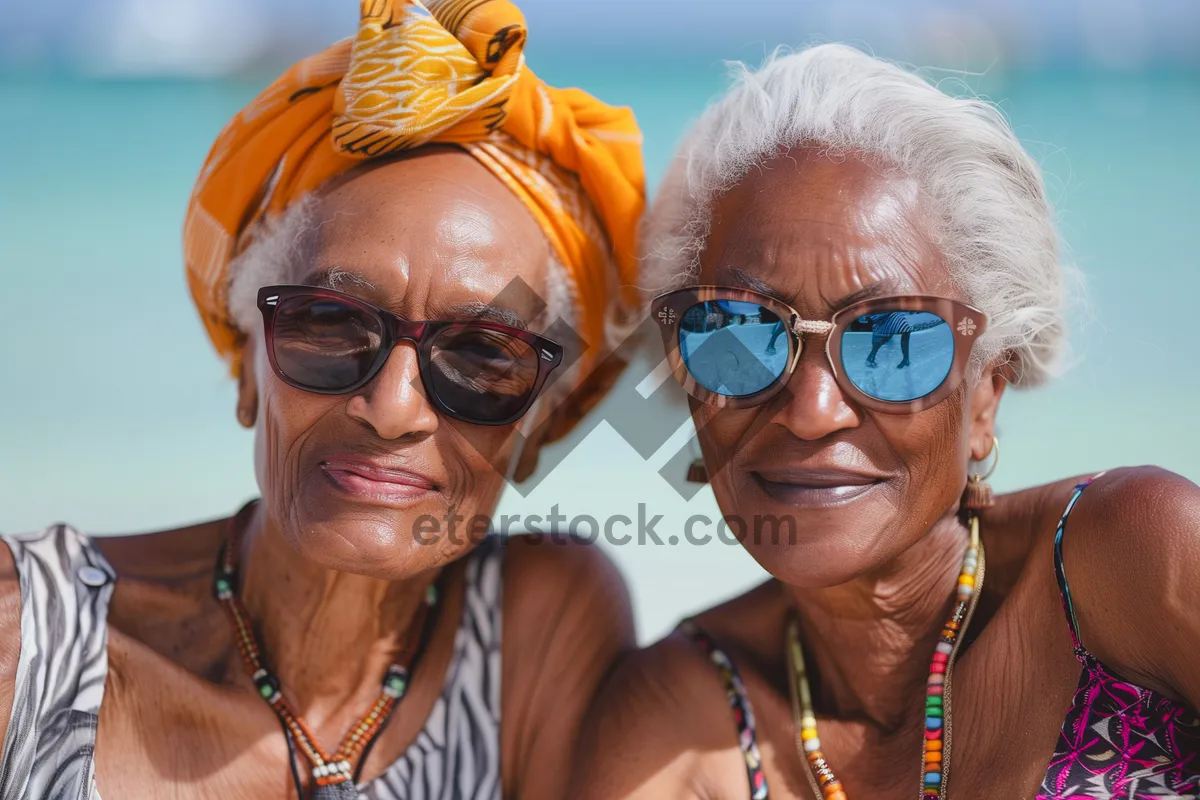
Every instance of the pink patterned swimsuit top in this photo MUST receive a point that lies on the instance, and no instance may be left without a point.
(1119, 741)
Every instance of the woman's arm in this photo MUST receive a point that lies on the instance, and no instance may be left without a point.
(567, 619)
(660, 729)
(10, 634)
(1132, 558)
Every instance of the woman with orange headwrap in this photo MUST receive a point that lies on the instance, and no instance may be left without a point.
(416, 257)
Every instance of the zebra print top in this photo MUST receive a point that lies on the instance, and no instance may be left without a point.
(890, 324)
(66, 585)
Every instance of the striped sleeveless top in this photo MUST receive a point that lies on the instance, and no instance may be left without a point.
(66, 585)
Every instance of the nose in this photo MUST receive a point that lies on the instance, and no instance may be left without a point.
(394, 404)
(815, 406)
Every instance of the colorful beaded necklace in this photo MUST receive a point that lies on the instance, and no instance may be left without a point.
(936, 754)
(333, 775)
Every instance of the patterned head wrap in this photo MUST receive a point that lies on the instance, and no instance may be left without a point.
(444, 71)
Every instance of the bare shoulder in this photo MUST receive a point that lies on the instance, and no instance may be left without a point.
(163, 595)
(567, 621)
(1019, 533)
(1132, 558)
(166, 555)
(661, 728)
(1135, 530)
(562, 598)
(1118, 505)
(552, 566)
(10, 634)
(1133, 505)
(560, 592)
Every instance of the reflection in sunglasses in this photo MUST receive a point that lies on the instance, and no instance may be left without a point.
(925, 346)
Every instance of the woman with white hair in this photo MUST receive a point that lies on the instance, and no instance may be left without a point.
(830, 192)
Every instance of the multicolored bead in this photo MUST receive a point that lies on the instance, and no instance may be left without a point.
(395, 682)
(935, 711)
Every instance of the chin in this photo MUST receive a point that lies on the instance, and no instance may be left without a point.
(812, 542)
(808, 565)
(389, 538)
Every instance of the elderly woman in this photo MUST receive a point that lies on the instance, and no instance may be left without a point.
(391, 245)
(902, 241)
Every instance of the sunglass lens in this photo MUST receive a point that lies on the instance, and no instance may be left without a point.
(323, 344)
(898, 356)
(481, 374)
(733, 348)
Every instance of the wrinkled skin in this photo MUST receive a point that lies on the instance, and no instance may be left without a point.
(858, 233)
(331, 578)
(878, 544)
(451, 238)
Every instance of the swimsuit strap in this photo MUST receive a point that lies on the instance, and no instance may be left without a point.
(739, 702)
(1060, 573)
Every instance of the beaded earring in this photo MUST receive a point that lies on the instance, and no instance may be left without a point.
(978, 494)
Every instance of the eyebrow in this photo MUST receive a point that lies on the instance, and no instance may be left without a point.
(744, 279)
(880, 289)
(747, 281)
(476, 310)
(338, 279)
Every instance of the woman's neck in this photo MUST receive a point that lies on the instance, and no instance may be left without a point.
(870, 640)
(328, 636)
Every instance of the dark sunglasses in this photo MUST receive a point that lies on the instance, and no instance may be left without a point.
(736, 348)
(327, 342)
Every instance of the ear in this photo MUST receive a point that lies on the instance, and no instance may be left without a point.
(247, 401)
(527, 460)
(984, 405)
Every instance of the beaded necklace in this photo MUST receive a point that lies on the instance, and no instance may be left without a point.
(333, 775)
(935, 764)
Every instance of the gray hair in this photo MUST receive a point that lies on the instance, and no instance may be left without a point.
(992, 221)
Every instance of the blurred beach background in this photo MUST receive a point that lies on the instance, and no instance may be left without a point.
(117, 417)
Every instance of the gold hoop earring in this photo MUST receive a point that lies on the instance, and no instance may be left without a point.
(978, 494)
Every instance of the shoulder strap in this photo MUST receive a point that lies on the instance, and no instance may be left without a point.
(66, 585)
(1060, 573)
(739, 702)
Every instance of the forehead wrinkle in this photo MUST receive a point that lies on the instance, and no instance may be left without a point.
(819, 264)
(822, 231)
(438, 235)
(815, 273)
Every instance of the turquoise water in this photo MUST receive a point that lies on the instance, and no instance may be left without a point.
(115, 415)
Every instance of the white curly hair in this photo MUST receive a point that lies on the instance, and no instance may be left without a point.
(991, 218)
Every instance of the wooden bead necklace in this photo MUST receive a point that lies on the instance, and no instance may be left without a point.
(333, 775)
(935, 764)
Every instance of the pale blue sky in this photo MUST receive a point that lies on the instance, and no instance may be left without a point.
(207, 37)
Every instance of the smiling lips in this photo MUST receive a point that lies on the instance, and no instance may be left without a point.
(368, 480)
(815, 488)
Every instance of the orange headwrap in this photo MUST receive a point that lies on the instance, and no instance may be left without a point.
(443, 71)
